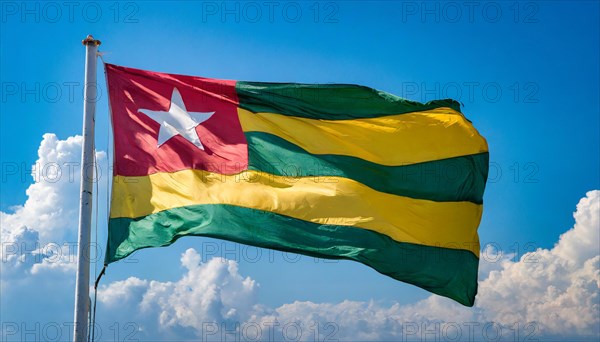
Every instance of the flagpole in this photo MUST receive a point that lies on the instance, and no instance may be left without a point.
(82, 284)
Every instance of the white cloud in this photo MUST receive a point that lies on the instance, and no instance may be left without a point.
(119, 292)
(558, 288)
(51, 205)
(41, 234)
(38, 245)
(18, 250)
(207, 293)
(582, 242)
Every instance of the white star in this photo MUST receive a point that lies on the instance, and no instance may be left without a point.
(178, 121)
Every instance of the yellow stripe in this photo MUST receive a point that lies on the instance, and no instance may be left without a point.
(324, 200)
(388, 140)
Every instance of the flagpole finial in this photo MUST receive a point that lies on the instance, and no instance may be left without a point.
(90, 40)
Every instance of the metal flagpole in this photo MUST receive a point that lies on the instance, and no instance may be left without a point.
(82, 284)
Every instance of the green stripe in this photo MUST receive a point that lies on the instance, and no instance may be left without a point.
(448, 272)
(454, 179)
(328, 101)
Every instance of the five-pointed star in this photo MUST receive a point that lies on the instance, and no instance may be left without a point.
(178, 121)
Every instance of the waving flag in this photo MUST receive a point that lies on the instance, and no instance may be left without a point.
(333, 171)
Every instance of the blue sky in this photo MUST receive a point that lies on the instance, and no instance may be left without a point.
(527, 74)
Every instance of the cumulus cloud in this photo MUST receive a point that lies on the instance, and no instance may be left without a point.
(208, 293)
(40, 234)
(548, 292)
(214, 291)
(558, 287)
(39, 244)
(582, 242)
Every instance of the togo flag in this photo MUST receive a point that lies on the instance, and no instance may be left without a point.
(328, 170)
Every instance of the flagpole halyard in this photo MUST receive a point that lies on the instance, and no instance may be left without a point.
(82, 284)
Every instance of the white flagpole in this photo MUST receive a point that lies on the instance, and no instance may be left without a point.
(82, 284)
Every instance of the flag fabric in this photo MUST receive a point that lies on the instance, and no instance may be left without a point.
(332, 170)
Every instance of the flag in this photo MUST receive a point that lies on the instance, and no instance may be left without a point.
(333, 171)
